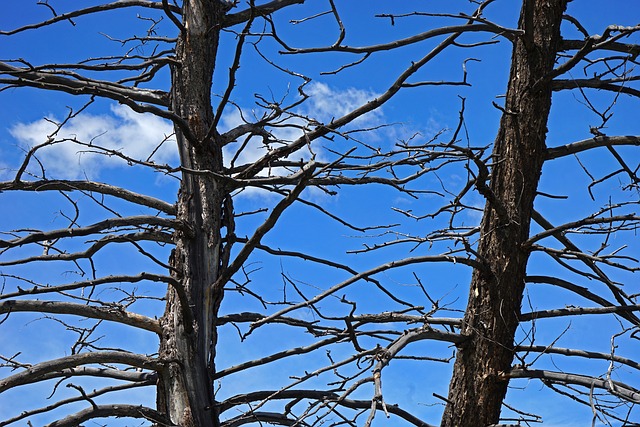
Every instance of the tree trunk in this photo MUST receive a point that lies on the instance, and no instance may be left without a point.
(185, 389)
(476, 391)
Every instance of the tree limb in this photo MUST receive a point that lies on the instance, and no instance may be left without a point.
(112, 410)
(114, 313)
(56, 367)
(92, 186)
(127, 95)
(107, 224)
(90, 10)
(588, 144)
(616, 388)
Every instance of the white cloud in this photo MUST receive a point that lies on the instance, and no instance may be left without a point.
(135, 135)
(138, 135)
(327, 103)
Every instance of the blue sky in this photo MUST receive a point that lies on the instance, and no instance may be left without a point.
(424, 111)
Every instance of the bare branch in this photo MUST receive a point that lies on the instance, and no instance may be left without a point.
(56, 367)
(318, 395)
(576, 311)
(616, 86)
(262, 10)
(454, 30)
(146, 220)
(89, 11)
(113, 313)
(632, 49)
(113, 410)
(82, 398)
(47, 289)
(154, 236)
(614, 387)
(323, 130)
(366, 274)
(580, 353)
(589, 144)
(91, 186)
(49, 80)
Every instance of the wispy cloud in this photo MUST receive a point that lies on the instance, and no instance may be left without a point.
(323, 105)
(135, 135)
(327, 103)
(138, 135)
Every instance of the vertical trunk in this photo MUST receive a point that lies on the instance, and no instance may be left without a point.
(185, 389)
(476, 393)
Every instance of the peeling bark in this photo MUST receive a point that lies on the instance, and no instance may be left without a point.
(186, 388)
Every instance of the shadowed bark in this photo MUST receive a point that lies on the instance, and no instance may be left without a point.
(477, 389)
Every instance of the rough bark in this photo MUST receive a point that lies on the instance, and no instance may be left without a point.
(476, 392)
(185, 389)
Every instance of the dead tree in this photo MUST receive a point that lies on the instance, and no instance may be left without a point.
(219, 280)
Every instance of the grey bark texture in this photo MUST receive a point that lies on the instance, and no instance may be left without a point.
(186, 387)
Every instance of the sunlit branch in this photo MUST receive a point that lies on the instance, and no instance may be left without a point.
(115, 64)
(612, 86)
(92, 147)
(92, 186)
(102, 372)
(590, 260)
(577, 311)
(261, 417)
(416, 156)
(561, 229)
(56, 367)
(591, 44)
(384, 356)
(588, 144)
(114, 313)
(278, 356)
(314, 327)
(630, 48)
(616, 388)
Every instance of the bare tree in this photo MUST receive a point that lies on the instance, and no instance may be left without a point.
(216, 281)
